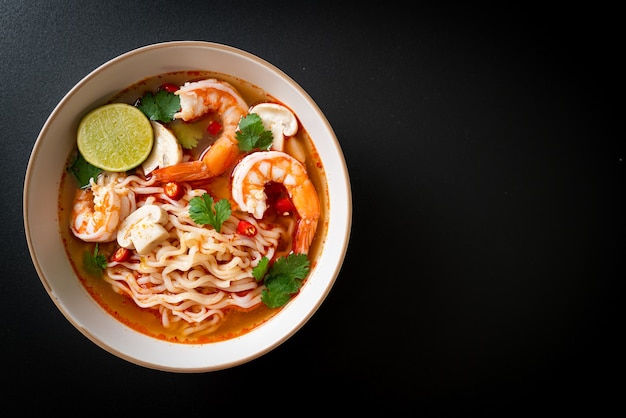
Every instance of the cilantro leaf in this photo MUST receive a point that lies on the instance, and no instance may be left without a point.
(203, 212)
(187, 134)
(83, 171)
(283, 279)
(160, 106)
(94, 263)
(279, 290)
(252, 134)
(296, 265)
(261, 269)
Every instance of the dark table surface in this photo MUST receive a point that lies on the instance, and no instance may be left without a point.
(488, 217)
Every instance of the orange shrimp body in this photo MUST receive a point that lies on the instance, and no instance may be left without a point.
(196, 99)
(98, 210)
(259, 168)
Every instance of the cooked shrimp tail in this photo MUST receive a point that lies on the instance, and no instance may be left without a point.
(97, 211)
(306, 202)
(186, 171)
(196, 99)
(259, 168)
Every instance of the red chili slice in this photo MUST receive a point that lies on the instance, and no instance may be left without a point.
(174, 190)
(120, 255)
(169, 87)
(214, 127)
(246, 228)
(283, 205)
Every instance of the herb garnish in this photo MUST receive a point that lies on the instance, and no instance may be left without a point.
(202, 211)
(282, 279)
(252, 134)
(187, 134)
(83, 171)
(159, 106)
(94, 263)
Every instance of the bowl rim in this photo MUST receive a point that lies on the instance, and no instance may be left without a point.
(340, 208)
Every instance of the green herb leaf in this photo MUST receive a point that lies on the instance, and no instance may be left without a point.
(261, 269)
(94, 263)
(160, 106)
(283, 279)
(252, 135)
(279, 290)
(296, 265)
(83, 171)
(203, 212)
(188, 134)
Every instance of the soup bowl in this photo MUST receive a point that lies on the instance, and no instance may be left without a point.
(44, 227)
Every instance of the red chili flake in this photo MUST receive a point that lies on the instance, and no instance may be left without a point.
(246, 228)
(120, 255)
(169, 87)
(174, 190)
(283, 205)
(214, 127)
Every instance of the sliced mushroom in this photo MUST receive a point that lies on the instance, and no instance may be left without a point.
(165, 151)
(143, 229)
(277, 119)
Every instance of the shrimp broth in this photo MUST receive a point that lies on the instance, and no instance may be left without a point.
(236, 321)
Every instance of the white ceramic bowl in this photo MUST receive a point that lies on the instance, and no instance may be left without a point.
(42, 183)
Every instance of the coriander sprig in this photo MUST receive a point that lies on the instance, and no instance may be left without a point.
(252, 134)
(202, 211)
(283, 279)
(83, 171)
(94, 263)
(160, 106)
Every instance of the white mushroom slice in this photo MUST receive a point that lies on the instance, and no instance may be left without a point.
(143, 229)
(277, 119)
(165, 151)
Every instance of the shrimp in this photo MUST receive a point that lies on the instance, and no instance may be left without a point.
(196, 99)
(98, 210)
(257, 169)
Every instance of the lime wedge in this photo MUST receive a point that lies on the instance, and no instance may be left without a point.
(115, 137)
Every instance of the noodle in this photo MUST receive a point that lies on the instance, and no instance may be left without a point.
(196, 274)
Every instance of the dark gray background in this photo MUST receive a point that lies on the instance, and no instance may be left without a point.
(488, 228)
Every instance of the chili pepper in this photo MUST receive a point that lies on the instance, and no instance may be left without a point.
(283, 205)
(120, 255)
(246, 228)
(174, 190)
(169, 87)
(214, 127)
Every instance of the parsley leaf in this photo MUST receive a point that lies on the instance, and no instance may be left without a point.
(94, 263)
(160, 106)
(252, 135)
(283, 279)
(202, 211)
(83, 171)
